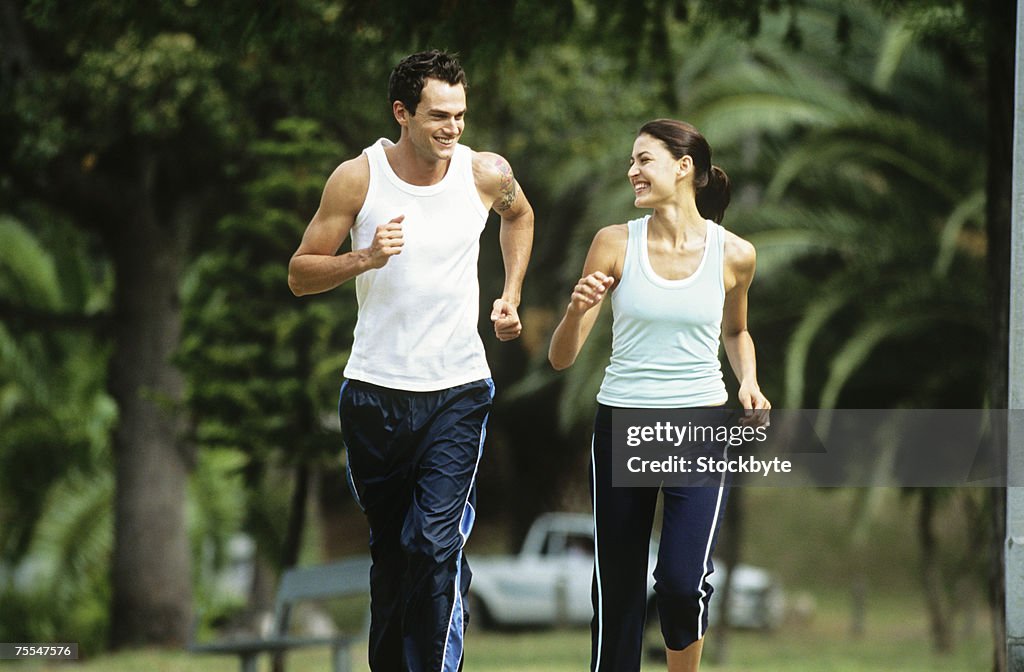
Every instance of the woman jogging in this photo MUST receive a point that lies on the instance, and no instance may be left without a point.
(678, 284)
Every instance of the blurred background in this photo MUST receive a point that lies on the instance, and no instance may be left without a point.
(168, 431)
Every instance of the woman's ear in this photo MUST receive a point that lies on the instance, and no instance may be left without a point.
(684, 166)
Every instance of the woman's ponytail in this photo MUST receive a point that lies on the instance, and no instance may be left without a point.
(713, 197)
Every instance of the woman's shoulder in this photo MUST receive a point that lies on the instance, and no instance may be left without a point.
(608, 250)
(740, 257)
(740, 254)
(613, 234)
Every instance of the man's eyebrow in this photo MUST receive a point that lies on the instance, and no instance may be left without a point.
(437, 110)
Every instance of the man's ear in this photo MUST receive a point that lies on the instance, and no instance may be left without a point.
(401, 113)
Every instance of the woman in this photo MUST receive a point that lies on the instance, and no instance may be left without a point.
(678, 284)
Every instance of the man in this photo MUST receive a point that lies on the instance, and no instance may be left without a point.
(418, 390)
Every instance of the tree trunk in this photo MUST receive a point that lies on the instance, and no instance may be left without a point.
(997, 579)
(309, 426)
(999, 32)
(931, 577)
(151, 579)
(866, 505)
(858, 600)
(730, 548)
(293, 536)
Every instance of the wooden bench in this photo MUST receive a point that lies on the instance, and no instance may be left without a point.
(346, 578)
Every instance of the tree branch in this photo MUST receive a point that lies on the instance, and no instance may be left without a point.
(24, 318)
(16, 53)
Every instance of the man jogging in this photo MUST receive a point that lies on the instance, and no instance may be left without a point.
(417, 393)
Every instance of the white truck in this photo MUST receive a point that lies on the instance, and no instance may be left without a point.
(548, 583)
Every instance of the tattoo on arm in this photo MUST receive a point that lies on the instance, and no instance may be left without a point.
(507, 189)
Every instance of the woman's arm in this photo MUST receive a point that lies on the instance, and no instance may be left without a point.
(601, 270)
(740, 260)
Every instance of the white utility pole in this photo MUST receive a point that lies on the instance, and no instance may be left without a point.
(1015, 433)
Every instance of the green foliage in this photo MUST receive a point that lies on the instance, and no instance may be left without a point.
(62, 586)
(572, 124)
(29, 274)
(53, 409)
(158, 89)
(898, 169)
(249, 343)
(863, 197)
(853, 191)
(56, 487)
(263, 367)
(216, 511)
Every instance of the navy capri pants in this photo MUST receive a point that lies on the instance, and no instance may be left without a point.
(624, 518)
(412, 465)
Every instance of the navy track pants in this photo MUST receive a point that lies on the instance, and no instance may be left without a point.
(412, 465)
(623, 519)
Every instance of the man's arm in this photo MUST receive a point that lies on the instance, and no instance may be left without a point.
(498, 187)
(316, 266)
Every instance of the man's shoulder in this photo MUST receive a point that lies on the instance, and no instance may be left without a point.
(349, 183)
(489, 168)
(355, 169)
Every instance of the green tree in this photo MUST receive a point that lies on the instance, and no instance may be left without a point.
(119, 128)
(139, 125)
(133, 121)
(262, 366)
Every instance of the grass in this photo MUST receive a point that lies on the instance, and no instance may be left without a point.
(895, 639)
(802, 536)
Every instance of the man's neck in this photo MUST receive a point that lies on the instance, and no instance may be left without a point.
(413, 168)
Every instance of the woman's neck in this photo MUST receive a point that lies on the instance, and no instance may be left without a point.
(678, 223)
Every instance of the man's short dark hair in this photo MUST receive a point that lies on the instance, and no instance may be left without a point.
(408, 77)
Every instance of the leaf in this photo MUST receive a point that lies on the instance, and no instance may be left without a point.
(815, 318)
(897, 40)
(858, 348)
(839, 146)
(27, 268)
(972, 207)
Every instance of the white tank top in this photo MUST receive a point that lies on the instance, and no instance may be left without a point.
(417, 324)
(666, 333)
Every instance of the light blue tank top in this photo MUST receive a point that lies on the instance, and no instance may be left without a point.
(666, 333)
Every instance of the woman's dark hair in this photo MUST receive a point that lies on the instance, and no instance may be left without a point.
(710, 183)
(407, 79)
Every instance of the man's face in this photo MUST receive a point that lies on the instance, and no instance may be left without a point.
(440, 117)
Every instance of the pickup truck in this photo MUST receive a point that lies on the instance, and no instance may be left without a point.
(548, 582)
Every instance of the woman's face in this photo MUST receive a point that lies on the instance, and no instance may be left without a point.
(653, 171)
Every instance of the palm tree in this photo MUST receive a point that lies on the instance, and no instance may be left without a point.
(853, 188)
(56, 486)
